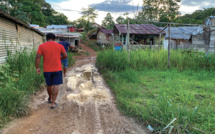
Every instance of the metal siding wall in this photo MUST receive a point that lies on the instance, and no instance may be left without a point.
(25, 38)
(38, 39)
(8, 38)
(16, 37)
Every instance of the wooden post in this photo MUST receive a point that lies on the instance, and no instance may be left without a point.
(160, 40)
(176, 44)
(169, 43)
(150, 44)
(128, 40)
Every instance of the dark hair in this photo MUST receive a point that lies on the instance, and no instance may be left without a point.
(50, 36)
(62, 39)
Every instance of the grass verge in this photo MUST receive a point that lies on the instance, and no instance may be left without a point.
(147, 90)
(93, 45)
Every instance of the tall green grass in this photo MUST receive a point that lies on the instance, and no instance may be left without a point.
(181, 60)
(19, 80)
(148, 90)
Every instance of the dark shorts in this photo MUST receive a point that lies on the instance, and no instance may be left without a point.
(53, 78)
(65, 62)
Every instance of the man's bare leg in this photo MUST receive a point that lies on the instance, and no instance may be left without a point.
(49, 90)
(64, 71)
(54, 94)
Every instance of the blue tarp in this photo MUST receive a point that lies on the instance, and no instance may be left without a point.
(118, 48)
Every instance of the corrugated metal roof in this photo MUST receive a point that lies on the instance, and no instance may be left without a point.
(180, 32)
(107, 31)
(34, 25)
(59, 32)
(58, 26)
(9, 17)
(139, 29)
(208, 20)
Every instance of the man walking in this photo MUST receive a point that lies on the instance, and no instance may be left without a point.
(65, 61)
(51, 52)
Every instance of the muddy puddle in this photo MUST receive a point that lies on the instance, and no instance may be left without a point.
(86, 85)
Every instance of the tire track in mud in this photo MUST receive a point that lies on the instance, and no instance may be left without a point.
(86, 106)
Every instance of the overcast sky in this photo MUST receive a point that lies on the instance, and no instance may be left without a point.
(72, 8)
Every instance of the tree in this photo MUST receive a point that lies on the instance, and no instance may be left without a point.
(80, 22)
(89, 14)
(108, 21)
(161, 9)
(196, 17)
(33, 11)
(120, 20)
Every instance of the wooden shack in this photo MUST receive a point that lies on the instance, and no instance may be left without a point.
(203, 39)
(181, 37)
(104, 36)
(140, 34)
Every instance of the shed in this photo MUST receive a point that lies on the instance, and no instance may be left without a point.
(72, 28)
(104, 36)
(181, 37)
(139, 33)
(66, 28)
(16, 35)
(72, 38)
(203, 38)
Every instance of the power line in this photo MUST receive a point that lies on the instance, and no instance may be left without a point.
(168, 23)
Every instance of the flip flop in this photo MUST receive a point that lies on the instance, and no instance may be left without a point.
(49, 100)
(53, 107)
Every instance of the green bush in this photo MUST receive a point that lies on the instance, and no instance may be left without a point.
(71, 61)
(18, 81)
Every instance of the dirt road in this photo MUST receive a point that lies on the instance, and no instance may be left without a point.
(86, 106)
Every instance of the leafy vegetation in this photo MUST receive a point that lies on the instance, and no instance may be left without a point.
(18, 81)
(33, 11)
(147, 90)
(108, 21)
(159, 9)
(196, 17)
(93, 45)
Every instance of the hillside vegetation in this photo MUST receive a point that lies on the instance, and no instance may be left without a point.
(33, 12)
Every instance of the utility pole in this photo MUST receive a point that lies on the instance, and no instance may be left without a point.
(169, 43)
(128, 40)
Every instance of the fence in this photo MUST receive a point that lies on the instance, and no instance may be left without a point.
(135, 47)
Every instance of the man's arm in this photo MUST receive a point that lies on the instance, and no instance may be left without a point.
(37, 63)
(71, 46)
(64, 55)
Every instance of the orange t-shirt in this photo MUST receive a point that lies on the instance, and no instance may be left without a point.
(51, 52)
